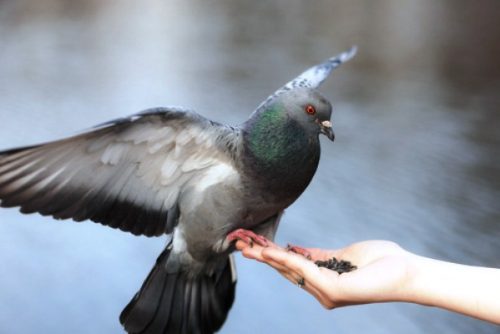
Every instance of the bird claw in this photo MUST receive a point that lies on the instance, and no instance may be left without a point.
(247, 236)
(299, 250)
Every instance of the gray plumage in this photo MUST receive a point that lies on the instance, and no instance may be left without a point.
(172, 171)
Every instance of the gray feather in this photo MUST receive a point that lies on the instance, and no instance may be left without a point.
(119, 174)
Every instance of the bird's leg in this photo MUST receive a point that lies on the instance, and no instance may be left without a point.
(299, 250)
(247, 236)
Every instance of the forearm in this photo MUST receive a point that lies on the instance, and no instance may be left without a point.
(473, 291)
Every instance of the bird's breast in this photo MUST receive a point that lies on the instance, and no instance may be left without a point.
(283, 175)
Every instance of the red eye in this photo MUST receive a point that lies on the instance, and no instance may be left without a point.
(310, 109)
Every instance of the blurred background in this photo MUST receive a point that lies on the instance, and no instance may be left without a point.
(416, 158)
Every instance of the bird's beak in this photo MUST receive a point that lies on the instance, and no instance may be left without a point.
(326, 129)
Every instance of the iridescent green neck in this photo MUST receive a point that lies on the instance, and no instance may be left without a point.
(267, 138)
(274, 140)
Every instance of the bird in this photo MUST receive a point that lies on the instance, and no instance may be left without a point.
(172, 172)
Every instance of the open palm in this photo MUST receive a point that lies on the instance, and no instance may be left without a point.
(383, 269)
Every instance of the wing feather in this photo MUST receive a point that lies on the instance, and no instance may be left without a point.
(127, 174)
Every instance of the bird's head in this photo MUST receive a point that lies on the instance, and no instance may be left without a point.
(310, 109)
(302, 102)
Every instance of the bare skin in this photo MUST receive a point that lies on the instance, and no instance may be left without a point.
(386, 273)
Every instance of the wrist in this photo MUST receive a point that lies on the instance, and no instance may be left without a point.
(409, 288)
(423, 280)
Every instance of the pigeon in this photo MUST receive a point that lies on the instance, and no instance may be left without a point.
(173, 172)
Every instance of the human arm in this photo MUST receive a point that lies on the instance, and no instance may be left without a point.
(386, 273)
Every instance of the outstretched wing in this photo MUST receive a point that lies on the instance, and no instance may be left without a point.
(314, 76)
(126, 174)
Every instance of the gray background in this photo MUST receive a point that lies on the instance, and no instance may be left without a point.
(416, 159)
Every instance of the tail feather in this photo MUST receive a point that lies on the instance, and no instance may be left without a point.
(194, 309)
(159, 318)
(139, 313)
(179, 303)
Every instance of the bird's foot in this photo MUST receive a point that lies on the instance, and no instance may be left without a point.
(247, 236)
(299, 250)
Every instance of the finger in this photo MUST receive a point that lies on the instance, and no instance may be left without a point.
(289, 276)
(240, 245)
(275, 265)
(296, 263)
(253, 252)
(319, 295)
(294, 278)
(288, 259)
(318, 254)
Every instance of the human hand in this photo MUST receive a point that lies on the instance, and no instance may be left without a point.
(384, 271)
